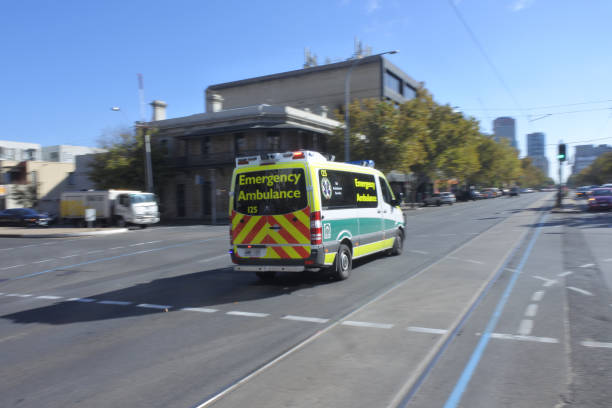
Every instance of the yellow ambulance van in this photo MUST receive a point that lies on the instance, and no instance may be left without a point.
(297, 211)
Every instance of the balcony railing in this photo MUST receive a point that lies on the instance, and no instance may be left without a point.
(213, 159)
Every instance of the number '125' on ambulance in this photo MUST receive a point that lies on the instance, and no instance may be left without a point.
(297, 211)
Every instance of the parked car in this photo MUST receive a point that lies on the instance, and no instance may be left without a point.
(600, 199)
(476, 195)
(514, 192)
(581, 192)
(433, 199)
(25, 217)
(448, 198)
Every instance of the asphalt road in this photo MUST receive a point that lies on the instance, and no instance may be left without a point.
(493, 303)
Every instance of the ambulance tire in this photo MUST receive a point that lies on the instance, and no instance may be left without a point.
(343, 264)
(266, 276)
(398, 244)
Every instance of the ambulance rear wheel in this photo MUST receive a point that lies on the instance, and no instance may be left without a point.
(266, 276)
(344, 263)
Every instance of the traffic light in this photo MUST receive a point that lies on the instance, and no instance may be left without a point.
(561, 155)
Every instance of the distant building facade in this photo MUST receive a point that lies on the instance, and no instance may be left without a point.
(66, 153)
(318, 89)
(201, 149)
(536, 151)
(584, 155)
(19, 151)
(505, 127)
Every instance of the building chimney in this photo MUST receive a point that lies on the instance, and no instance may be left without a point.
(159, 110)
(214, 103)
(324, 111)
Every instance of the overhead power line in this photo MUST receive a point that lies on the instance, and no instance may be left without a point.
(540, 107)
(484, 54)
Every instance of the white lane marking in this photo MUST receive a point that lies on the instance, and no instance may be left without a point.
(596, 344)
(214, 257)
(566, 273)
(582, 291)
(505, 336)
(114, 302)
(11, 267)
(82, 300)
(44, 260)
(531, 310)
(49, 297)
(367, 324)
(547, 282)
(306, 319)
(509, 269)
(247, 314)
(18, 295)
(94, 252)
(447, 235)
(537, 296)
(119, 247)
(69, 256)
(473, 261)
(586, 265)
(416, 251)
(2, 293)
(151, 306)
(133, 245)
(6, 249)
(525, 327)
(199, 309)
(608, 260)
(426, 330)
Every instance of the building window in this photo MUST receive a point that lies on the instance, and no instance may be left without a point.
(54, 156)
(409, 92)
(393, 83)
(273, 140)
(205, 146)
(239, 143)
(29, 154)
(34, 177)
(71, 178)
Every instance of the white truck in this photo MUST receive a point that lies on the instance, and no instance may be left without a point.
(113, 207)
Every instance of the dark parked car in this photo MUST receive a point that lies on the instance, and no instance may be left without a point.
(23, 216)
(600, 199)
(514, 191)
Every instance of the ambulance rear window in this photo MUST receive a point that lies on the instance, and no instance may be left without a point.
(274, 191)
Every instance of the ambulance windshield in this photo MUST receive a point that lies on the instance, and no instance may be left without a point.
(268, 192)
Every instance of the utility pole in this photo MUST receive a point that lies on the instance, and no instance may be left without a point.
(147, 137)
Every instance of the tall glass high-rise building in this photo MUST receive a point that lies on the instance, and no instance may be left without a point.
(536, 150)
(505, 127)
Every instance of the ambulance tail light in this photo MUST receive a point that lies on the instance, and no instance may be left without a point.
(316, 228)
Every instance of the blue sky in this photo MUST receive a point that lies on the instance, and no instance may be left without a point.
(66, 63)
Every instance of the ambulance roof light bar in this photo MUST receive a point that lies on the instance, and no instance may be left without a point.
(271, 158)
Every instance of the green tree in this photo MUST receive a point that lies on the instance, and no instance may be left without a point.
(123, 165)
(599, 172)
(26, 196)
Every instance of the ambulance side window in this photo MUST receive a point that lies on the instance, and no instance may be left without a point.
(336, 188)
(387, 197)
(365, 190)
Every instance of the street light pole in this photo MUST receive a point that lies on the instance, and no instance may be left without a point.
(347, 94)
(147, 143)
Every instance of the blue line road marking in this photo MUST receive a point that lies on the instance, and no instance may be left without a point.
(468, 371)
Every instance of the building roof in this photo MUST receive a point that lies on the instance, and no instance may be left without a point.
(318, 68)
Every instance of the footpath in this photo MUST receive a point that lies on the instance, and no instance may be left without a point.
(55, 232)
